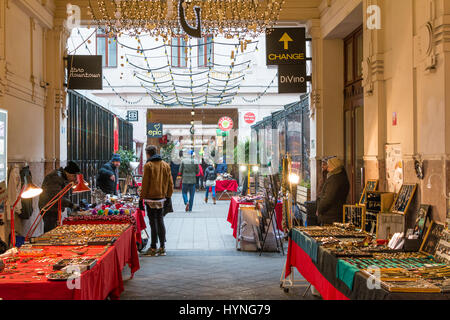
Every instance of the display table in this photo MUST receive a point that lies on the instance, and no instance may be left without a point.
(318, 267)
(102, 281)
(225, 186)
(233, 214)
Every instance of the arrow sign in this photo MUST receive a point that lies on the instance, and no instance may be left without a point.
(286, 39)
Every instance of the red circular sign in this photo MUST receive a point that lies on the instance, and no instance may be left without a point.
(249, 117)
(226, 123)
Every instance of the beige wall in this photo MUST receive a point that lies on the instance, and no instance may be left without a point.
(396, 79)
(31, 55)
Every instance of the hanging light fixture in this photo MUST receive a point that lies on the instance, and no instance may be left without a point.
(232, 18)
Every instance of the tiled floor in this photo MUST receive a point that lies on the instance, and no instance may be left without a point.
(202, 262)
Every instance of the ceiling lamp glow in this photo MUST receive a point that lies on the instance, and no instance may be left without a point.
(163, 18)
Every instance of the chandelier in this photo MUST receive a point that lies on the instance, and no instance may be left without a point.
(164, 18)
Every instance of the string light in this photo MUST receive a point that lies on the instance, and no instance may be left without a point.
(232, 18)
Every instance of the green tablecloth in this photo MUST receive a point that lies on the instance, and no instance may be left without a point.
(346, 272)
(307, 244)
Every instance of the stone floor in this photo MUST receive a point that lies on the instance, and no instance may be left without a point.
(202, 262)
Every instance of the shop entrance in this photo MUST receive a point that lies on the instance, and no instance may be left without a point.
(354, 113)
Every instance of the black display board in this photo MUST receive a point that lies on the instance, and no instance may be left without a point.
(84, 72)
(285, 46)
(154, 130)
(292, 79)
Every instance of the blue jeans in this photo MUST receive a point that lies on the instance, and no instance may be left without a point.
(191, 189)
(213, 190)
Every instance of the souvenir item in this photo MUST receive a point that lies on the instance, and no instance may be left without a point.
(432, 238)
(404, 198)
(371, 185)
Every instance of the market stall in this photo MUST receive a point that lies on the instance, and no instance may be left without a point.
(225, 184)
(71, 262)
(233, 213)
(345, 264)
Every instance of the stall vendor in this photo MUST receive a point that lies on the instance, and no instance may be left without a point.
(53, 183)
(108, 176)
(334, 193)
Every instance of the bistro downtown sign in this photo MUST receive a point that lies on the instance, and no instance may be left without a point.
(84, 72)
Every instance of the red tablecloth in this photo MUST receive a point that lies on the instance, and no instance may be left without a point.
(233, 213)
(102, 281)
(226, 185)
(298, 258)
(140, 224)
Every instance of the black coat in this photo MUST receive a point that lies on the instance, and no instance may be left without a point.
(53, 183)
(333, 197)
(104, 181)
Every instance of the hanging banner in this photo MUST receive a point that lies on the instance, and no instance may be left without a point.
(116, 134)
(84, 72)
(285, 46)
(292, 79)
(394, 167)
(154, 130)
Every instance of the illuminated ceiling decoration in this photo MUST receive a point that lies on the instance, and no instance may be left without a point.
(160, 18)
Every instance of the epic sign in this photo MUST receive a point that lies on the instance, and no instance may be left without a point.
(154, 130)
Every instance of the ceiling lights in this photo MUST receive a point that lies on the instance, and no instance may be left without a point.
(160, 18)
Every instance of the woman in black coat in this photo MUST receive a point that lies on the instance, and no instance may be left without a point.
(334, 193)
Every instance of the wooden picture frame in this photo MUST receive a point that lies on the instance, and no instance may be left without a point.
(371, 185)
(432, 238)
(403, 199)
(423, 220)
(353, 207)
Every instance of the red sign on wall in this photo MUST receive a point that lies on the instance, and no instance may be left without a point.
(249, 117)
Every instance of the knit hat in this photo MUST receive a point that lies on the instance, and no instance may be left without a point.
(334, 163)
(115, 157)
(72, 168)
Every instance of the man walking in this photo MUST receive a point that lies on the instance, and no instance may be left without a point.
(189, 170)
(108, 176)
(157, 186)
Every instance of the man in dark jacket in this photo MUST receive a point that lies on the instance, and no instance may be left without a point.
(334, 193)
(108, 176)
(53, 183)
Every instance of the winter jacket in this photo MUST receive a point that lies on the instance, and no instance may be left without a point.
(189, 170)
(157, 181)
(210, 174)
(333, 197)
(200, 171)
(53, 183)
(104, 181)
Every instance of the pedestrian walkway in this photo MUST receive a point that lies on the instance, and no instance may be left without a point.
(202, 262)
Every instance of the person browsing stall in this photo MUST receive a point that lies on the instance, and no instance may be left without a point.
(157, 187)
(108, 176)
(210, 181)
(53, 183)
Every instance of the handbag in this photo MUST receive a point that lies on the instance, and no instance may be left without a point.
(210, 183)
(168, 208)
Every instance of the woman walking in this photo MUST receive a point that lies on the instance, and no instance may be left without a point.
(210, 181)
